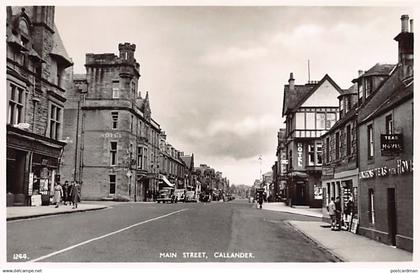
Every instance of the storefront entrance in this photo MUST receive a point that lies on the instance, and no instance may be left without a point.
(16, 161)
(392, 216)
(300, 193)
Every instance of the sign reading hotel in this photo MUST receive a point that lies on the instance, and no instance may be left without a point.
(391, 144)
(402, 167)
(300, 155)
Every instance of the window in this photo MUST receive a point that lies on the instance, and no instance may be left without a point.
(371, 206)
(311, 155)
(327, 150)
(331, 118)
(112, 182)
(140, 157)
(388, 124)
(55, 121)
(133, 88)
(337, 145)
(114, 116)
(318, 154)
(320, 121)
(16, 103)
(342, 111)
(370, 141)
(115, 89)
(300, 120)
(368, 84)
(131, 124)
(348, 139)
(113, 153)
(310, 121)
(348, 104)
(360, 89)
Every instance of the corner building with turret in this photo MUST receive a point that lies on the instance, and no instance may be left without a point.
(114, 142)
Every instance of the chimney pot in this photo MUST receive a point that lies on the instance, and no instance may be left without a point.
(291, 82)
(404, 23)
(360, 73)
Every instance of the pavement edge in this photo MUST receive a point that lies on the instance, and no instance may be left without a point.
(318, 243)
(13, 218)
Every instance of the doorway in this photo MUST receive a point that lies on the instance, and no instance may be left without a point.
(392, 216)
(300, 193)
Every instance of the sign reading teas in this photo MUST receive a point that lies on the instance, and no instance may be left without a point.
(403, 166)
(391, 144)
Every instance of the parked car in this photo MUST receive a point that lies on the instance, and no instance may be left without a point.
(166, 195)
(179, 195)
(190, 196)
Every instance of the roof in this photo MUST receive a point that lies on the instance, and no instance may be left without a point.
(187, 159)
(393, 92)
(377, 70)
(59, 50)
(293, 99)
(352, 90)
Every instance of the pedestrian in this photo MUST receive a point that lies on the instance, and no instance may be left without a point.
(75, 193)
(58, 193)
(331, 211)
(338, 212)
(66, 192)
(348, 213)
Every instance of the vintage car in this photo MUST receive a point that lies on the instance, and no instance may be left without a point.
(179, 195)
(190, 196)
(166, 195)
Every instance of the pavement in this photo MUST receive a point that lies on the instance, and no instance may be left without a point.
(16, 213)
(346, 246)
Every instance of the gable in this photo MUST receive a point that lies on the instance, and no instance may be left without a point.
(325, 95)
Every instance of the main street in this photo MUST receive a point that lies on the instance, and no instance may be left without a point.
(140, 232)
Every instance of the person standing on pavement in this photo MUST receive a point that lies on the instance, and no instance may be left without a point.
(331, 211)
(338, 212)
(58, 193)
(66, 192)
(75, 194)
(348, 213)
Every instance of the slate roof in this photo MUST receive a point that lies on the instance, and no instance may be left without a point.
(377, 70)
(352, 90)
(294, 99)
(59, 49)
(79, 77)
(393, 92)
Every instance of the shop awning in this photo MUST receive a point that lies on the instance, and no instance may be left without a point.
(297, 174)
(164, 179)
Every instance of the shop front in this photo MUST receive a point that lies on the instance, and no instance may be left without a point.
(32, 167)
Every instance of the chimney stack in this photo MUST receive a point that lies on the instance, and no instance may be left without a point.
(360, 73)
(291, 82)
(404, 23)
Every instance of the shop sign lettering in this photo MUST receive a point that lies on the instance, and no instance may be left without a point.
(111, 135)
(403, 166)
(391, 144)
(300, 154)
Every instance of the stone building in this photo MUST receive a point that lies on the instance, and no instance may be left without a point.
(38, 76)
(340, 151)
(310, 110)
(280, 167)
(114, 142)
(385, 128)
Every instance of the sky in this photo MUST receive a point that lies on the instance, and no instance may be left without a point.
(215, 75)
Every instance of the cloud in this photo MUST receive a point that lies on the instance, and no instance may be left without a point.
(241, 139)
(232, 55)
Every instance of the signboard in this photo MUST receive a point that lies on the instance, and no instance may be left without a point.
(402, 167)
(354, 225)
(317, 192)
(31, 184)
(299, 154)
(391, 144)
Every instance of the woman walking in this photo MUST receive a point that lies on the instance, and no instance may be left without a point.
(58, 193)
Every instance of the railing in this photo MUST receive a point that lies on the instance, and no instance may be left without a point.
(308, 133)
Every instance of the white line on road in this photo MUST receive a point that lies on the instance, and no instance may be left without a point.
(103, 236)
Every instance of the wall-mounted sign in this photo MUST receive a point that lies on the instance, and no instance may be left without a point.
(111, 135)
(403, 166)
(300, 154)
(391, 144)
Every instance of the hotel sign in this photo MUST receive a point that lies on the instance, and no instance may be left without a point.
(391, 144)
(403, 166)
(300, 154)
